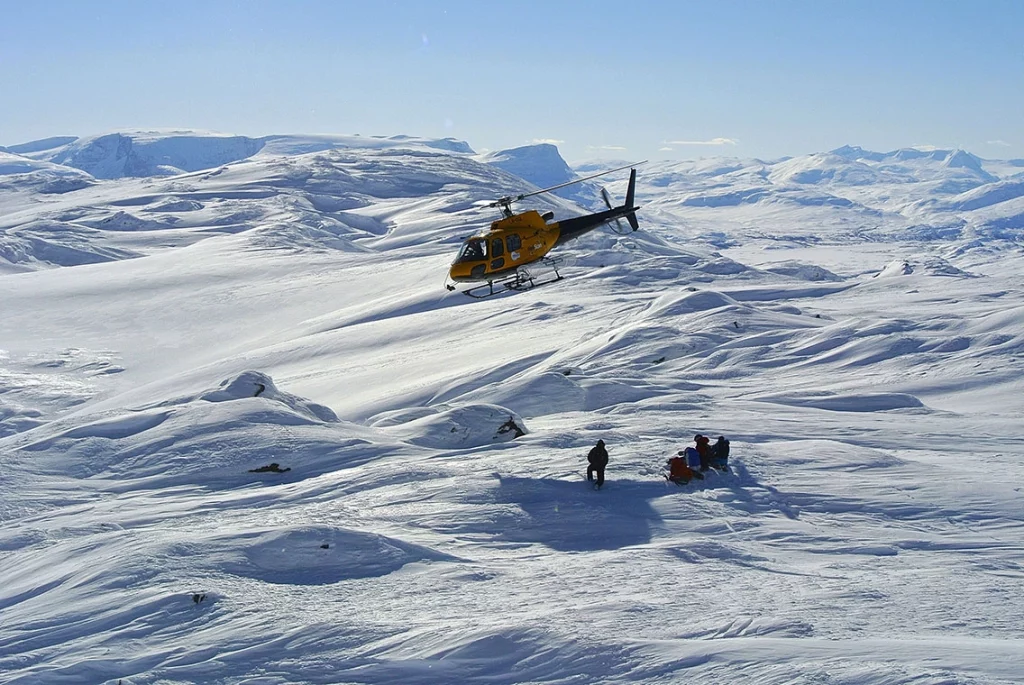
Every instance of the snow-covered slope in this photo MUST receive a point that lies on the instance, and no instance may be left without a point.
(247, 436)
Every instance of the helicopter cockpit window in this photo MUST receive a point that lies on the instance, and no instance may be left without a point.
(473, 251)
(513, 242)
(497, 248)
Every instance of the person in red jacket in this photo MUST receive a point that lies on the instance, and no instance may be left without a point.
(679, 472)
(704, 450)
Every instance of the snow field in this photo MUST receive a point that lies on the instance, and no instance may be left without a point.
(867, 374)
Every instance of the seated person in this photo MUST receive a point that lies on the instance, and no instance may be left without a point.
(720, 454)
(678, 470)
(472, 251)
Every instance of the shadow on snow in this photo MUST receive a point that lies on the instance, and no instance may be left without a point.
(572, 516)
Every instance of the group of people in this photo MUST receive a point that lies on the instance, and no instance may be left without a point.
(693, 462)
(688, 464)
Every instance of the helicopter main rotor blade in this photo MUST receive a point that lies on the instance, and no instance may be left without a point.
(578, 180)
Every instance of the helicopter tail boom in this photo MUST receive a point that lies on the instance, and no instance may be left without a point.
(577, 226)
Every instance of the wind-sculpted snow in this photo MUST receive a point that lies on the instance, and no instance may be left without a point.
(256, 384)
(249, 420)
(804, 272)
(255, 439)
(556, 392)
(305, 555)
(56, 243)
(15, 418)
(834, 402)
(470, 425)
(698, 301)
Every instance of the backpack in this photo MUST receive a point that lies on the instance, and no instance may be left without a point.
(692, 457)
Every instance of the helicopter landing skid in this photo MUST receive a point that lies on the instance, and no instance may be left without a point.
(521, 281)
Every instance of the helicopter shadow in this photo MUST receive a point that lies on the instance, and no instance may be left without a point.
(571, 516)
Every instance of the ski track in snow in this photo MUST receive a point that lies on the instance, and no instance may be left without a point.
(852, 321)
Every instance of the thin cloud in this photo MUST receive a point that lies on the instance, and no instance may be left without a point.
(546, 141)
(605, 147)
(1000, 143)
(664, 149)
(713, 141)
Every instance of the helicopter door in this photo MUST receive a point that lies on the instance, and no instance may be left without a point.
(514, 244)
(497, 250)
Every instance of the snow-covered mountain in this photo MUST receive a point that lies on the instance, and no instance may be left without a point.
(247, 436)
(169, 153)
(544, 167)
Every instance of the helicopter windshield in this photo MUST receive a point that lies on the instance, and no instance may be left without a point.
(474, 250)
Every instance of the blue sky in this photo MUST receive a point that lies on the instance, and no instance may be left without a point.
(627, 80)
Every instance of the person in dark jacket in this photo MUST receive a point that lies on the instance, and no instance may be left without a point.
(597, 460)
(720, 454)
(704, 450)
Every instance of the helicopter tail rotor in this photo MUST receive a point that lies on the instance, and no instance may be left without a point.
(628, 204)
(608, 203)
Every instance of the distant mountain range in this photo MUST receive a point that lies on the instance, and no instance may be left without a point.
(909, 193)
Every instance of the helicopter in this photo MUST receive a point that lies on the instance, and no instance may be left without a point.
(497, 259)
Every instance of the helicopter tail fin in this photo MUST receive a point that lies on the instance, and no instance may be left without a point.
(630, 193)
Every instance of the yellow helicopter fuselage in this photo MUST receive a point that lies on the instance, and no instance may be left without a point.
(510, 243)
(516, 240)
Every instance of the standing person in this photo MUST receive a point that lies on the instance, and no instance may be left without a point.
(597, 460)
(704, 450)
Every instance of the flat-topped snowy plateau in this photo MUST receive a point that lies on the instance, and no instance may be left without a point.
(247, 436)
